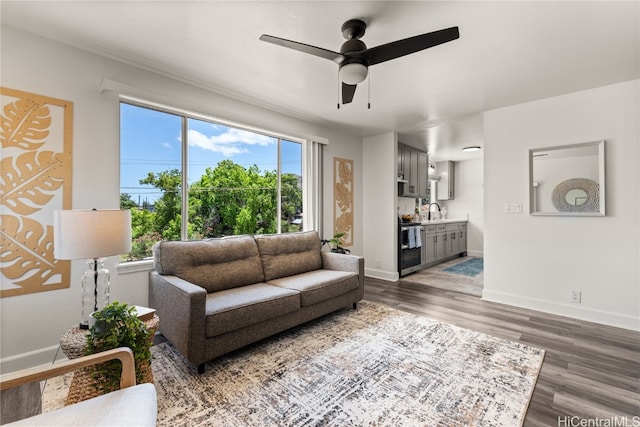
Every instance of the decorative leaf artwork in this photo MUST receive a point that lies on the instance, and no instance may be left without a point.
(35, 180)
(343, 199)
(25, 124)
(31, 183)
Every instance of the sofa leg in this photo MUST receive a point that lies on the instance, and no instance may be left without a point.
(355, 305)
(201, 369)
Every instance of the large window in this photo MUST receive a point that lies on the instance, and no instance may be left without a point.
(187, 178)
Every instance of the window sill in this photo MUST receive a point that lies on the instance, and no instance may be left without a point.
(135, 266)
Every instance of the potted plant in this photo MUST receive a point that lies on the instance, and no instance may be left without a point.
(334, 244)
(118, 325)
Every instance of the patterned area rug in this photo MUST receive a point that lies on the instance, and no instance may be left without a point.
(372, 366)
(471, 267)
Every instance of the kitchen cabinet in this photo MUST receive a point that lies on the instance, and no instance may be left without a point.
(423, 174)
(445, 187)
(457, 237)
(442, 242)
(462, 240)
(412, 172)
(429, 249)
(401, 160)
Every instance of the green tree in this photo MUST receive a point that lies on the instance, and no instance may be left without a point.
(232, 200)
(168, 207)
(227, 200)
(126, 202)
(291, 201)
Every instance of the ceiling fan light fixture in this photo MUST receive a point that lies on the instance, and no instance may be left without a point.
(353, 73)
(471, 148)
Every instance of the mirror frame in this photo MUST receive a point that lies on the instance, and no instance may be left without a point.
(601, 181)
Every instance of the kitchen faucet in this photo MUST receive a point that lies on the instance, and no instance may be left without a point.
(429, 210)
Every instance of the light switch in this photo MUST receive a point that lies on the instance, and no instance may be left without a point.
(513, 207)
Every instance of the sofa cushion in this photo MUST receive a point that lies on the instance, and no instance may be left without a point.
(214, 264)
(319, 285)
(233, 309)
(288, 254)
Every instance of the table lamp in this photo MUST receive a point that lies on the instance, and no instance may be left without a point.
(92, 235)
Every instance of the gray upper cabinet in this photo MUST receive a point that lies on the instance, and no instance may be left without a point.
(400, 161)
(412, 172)
(423, 174)
(445, 189)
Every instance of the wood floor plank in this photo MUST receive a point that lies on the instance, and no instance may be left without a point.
(589, 369)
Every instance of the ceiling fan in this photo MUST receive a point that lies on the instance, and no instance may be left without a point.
(354, 58)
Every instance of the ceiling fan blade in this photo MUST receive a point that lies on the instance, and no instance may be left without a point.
(399, 48)
(347, 93)
(305, 48)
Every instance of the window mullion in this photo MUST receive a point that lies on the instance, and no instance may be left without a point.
(185, 184)
(279, 189)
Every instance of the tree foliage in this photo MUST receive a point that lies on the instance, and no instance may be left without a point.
(227, 200)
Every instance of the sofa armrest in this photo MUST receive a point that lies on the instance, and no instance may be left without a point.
(344, 262)
(40, 373)
(181, 306)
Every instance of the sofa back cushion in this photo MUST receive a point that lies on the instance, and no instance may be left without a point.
(288, 254)
(214, 264)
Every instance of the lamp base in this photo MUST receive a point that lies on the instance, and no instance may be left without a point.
(95, 289)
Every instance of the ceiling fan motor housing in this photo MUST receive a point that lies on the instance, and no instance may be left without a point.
(354, 68)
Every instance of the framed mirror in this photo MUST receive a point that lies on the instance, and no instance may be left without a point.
(567, 180)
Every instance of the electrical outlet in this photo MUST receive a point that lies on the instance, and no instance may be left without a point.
(575, 297)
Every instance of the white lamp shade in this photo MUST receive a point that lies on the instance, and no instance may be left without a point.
(353, 73)
(79, 234)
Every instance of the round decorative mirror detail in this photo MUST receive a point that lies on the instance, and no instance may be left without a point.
(576, 195)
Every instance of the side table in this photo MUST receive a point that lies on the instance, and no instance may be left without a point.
(73, 344)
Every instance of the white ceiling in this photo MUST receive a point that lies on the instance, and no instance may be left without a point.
(507, 53)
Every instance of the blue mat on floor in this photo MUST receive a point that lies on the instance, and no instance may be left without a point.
(471, 267)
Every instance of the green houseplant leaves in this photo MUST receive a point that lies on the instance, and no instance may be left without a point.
(117, 325)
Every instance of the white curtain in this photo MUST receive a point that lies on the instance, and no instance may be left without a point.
(312, 185)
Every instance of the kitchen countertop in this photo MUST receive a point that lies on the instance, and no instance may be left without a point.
(442, 221)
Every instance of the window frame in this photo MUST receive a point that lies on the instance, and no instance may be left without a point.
(185, 116)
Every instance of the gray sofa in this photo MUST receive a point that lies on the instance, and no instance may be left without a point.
(217, 295)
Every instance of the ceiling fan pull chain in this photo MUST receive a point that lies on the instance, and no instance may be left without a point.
(339, 85)
(369, 91)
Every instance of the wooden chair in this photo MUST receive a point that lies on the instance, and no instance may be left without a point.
(132, 405)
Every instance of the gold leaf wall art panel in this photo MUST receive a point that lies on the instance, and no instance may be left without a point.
(343, 199)
(36, 134)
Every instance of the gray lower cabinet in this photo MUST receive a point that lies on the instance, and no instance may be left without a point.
(441, 242)
(429, 249)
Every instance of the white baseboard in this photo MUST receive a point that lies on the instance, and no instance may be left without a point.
(568, 310)
(382, 274)
(477, 254)
(42, 356)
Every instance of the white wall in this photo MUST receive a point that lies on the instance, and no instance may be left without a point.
(32, 324)
(468, 202)
(351, 149)
(534, 261)
(379, 154)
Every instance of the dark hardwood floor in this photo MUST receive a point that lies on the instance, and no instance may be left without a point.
(590, 371)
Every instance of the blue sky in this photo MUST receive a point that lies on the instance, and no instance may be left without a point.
(150, 142)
